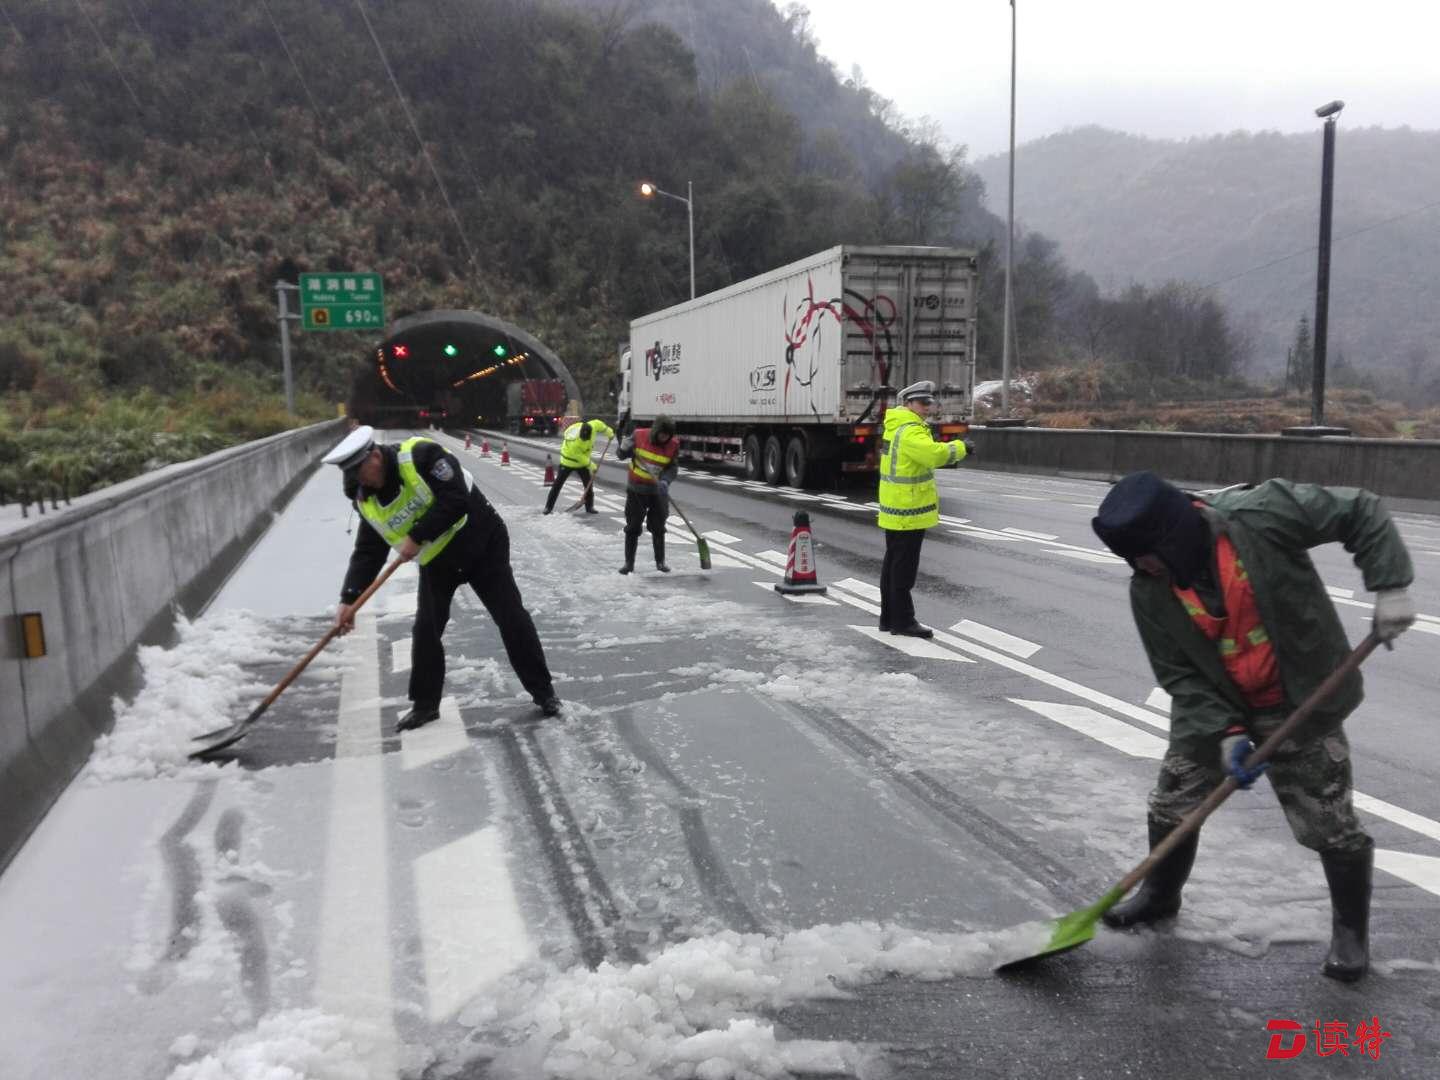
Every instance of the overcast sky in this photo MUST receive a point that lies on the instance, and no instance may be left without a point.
(1151, 67)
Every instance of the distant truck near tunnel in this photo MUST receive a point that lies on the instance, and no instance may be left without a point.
(787, 376)
(535, 406)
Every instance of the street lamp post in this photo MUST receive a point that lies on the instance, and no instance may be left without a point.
(1322, 274)
(649, 190)
(1009, 240)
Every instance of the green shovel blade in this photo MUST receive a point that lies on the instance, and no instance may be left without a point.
(1067, 932)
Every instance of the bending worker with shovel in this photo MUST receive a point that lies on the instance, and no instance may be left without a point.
(575, 450)
(1239, 629)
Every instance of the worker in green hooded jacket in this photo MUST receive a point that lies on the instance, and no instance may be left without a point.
(1239, 630)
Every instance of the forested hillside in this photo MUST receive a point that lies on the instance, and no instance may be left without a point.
(1227, 210)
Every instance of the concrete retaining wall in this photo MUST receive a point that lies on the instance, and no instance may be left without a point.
(1405, 471)
(105, 575)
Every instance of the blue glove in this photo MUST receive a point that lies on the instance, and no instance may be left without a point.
(664, 488)
(1235, 747)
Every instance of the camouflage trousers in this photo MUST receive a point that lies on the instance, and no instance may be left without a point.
(1311, 778)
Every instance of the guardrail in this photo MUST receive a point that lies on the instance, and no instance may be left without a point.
(1405, 471)
(104, 576)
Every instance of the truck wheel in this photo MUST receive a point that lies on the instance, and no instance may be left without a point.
(797, 461)
(753, 468)
(774, 461)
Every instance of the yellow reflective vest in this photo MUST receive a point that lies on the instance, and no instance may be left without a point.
(909, 457)
(395, 519)
(575, 451)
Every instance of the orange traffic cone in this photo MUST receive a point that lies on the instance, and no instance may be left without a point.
(800, 572)
(467, 440)
(484, 447)
(504, 453)
(549, 472)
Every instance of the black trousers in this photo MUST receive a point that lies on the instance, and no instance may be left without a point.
(488, 572)
(561, 476)
(897, 577)
(647, 509)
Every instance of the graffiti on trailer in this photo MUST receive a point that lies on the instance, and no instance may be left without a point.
(873, 316)
(662, 360)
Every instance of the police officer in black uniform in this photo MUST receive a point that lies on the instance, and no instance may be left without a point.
(477, 554)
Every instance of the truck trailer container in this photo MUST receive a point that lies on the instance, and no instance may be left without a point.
(535, 406)
(787, 375)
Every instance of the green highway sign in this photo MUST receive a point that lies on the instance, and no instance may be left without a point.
(342, 301)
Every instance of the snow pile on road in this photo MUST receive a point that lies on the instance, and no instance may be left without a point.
(298, 1044)
(191, 688)
(691, 1011)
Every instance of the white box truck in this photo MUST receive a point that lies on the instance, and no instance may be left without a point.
(788, 375)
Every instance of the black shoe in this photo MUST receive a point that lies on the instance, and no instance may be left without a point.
(628, 568)
(591, 510)
(664, 568)
(550, 706)
(1159, 894)
(418, 716)
(914, 630)
(1348, 874)
(884, 627)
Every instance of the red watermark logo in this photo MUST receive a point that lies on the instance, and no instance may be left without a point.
(1289, 1038)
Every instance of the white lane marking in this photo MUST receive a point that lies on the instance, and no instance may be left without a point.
(729, 562)
(1421, 870)
(472, 932)
(774, 556)
(354, 961)
(910, 646)
(1159, 700)
(683, 536)
(618, 520)
(986, 534)
(1030, 535)
(948, 520)
(436, 740)
(988, 635)
(1088, 556)
(862, 588)
(399, 656)
(1106, 729)
(1027, 498)
(797, 598)
(1348, 594)
(721, 537)
(1406, 819)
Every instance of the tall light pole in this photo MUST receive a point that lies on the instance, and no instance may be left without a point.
(1009, 240)
(649, 191)
(1322, 274)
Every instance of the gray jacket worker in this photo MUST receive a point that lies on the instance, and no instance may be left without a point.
(1239, 630)
(415, 497)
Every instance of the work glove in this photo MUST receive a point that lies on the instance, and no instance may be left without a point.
(1394, 613)
(1235, 747)
(664, 488)
(969, 447)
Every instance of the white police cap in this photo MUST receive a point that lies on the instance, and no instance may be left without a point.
(922, 389)
(353, 449)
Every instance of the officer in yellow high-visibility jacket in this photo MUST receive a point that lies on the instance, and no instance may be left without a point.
(575, 451)
(909, 501)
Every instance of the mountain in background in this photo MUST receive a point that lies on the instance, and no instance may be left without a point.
(1241, 212)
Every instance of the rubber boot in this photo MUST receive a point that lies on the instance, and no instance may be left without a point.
(659, 545)
(1159, 894)
(631, 543)
(1349, 874)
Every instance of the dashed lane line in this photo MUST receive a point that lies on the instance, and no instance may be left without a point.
(917, 647)
(999, 639)
(1106, 729)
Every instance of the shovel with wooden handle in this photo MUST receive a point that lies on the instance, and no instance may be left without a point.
(228, 736)
(1075, 929)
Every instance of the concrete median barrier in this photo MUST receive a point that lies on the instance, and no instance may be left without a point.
(1405, 471)
(105, 577)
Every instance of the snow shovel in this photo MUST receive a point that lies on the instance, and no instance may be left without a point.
(228, 736)
(1075, 929)
(589, 480)
(701, 543)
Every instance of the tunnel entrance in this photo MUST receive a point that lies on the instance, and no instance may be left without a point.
(462, 369)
